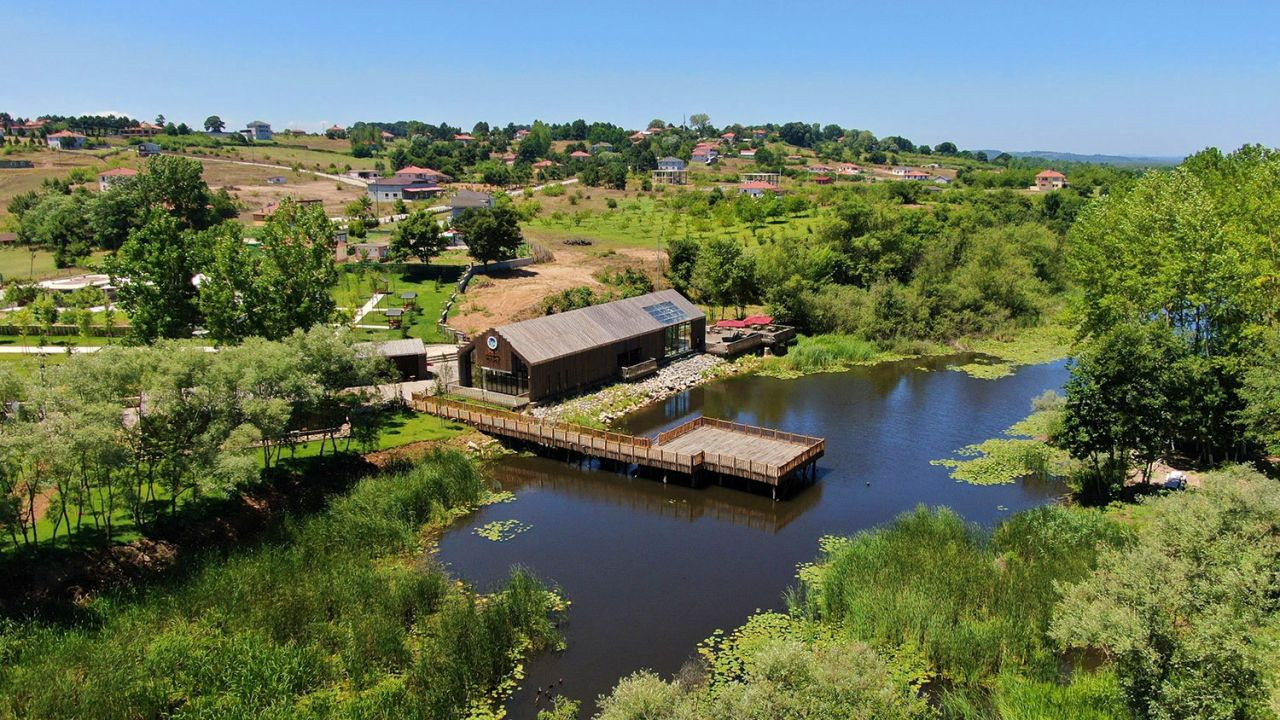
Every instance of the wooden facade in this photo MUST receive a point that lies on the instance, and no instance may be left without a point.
(580, 349)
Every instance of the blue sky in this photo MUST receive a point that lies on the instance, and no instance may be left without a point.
(1157, 78)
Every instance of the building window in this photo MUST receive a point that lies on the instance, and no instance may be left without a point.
(676, 340)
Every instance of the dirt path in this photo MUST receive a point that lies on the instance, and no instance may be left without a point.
(516, 295)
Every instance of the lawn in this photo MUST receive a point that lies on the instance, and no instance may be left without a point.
(37, 264)
(433, 284)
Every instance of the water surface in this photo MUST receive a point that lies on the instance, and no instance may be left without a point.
(652, 569)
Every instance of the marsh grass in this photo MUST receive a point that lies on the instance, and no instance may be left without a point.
(972, 603)
(336, 615)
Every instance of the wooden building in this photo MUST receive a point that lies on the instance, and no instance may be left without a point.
(572, 351)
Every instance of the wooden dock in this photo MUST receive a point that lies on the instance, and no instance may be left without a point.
(700, 446)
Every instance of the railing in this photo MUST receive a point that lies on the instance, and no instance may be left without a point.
(631, 448)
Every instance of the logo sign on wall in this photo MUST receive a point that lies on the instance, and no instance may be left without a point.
(492, 342)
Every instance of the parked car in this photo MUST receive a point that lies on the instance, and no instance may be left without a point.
(1176, 480)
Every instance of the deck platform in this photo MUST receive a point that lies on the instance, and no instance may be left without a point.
(701, 445)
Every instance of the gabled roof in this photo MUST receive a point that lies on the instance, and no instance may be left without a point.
(400, 180)
(579, 154)
(471, 199)
(257, 122)
(463, 136)
(65, 133)
(1050, 174)
(391, 348)
(758, 185)
(415, 170)
(553, 336)
(118, 172)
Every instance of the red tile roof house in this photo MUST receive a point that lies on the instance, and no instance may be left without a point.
(579, 154)
(822, 180)
(111, 177)
(543, 165)
(638, 136)
(757, 188)
(522, 134)
(65, 140)
(388, 136)
(729, 137)
(915, 175)
(401, 187)
(747, 153)
(849, 169)
(463, 138)
(422, 173)
(819, 169)
(142, 129)
(1050, 180)
(704, 154)
(509, 159)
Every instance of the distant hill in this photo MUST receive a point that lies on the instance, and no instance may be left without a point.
(1139, 160)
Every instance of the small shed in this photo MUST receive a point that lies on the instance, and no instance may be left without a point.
(409, 356)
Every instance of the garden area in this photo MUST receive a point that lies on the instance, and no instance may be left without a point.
(431, 284)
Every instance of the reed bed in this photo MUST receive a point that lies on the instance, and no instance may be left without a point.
(338, 615)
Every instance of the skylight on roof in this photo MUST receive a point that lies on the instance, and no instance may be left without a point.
(666, 313)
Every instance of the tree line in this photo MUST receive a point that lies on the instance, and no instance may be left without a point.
(135, 431)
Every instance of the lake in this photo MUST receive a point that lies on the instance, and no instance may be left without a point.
(653, 569)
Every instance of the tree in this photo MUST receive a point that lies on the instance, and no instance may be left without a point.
(418, 236)
(723, 275)
(153, 272)
(1118, 404)
(701, 122)
(282, 286)
(213, 123)
(946, 148)
(1187, 609)
(62, 224)
(175, 184)
(491, 233)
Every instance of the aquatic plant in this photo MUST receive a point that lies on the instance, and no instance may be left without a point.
(501, 530)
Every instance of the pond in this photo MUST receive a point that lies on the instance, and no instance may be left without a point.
(653, 569)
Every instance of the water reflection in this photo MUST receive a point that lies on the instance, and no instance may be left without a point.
(652, 569)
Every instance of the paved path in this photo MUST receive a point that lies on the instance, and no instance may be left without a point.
(367, 308)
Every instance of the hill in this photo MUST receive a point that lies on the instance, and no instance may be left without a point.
(1127, 160)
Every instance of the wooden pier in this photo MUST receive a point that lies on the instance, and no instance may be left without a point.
(700, 446)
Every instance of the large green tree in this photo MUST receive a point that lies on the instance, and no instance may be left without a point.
(418, 236)
(491, 233)
(154, 272)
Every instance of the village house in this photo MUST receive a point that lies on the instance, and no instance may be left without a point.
(819, 169)
(600, 147)
(259, 131)
(671, 171)
(756, 188)
(509, 159)
(579, 155)
(729, 137)
(900, 171)
(749, 153)
(463, 138)
(571, 351)
(466, 200)
(423, 174)
(1050, 180)
(544, 164)
(113, 176)
(401, 187)
(142, 129)
(521, 134)
(335, 132)
(848, 169)
(65, 140)
(705, 154)
(638, 136)
(387, 136)
(822, 180)
(759, 133)
(912, 174)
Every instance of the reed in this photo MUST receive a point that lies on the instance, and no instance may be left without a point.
(337, 615)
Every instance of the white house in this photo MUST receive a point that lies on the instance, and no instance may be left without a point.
(65, 140)
(258, 130)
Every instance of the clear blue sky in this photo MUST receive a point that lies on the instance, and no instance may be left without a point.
(1141, 77)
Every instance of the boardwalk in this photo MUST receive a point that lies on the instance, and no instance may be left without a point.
(702, 445)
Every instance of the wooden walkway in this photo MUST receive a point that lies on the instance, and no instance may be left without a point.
(698, 446)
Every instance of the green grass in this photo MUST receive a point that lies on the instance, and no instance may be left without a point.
(642, 223)
(432, 283)
(1023, 346)
(398, 427)
(21, 262)
(333, 615)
